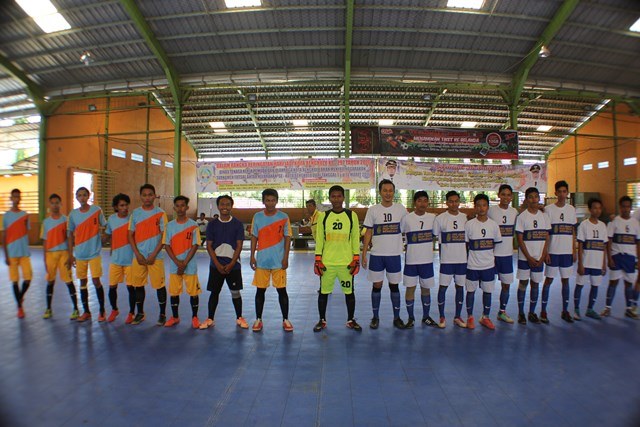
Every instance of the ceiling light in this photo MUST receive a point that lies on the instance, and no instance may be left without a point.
(242, 3)
(300, 123)
(86, 58)
(37, 7)
(7, 176)
(544, 52)
(385, 122)
(217, 125)
(636, 26)
(52, 23)
(6, 123)
(468, 124)
(221, 130)
(33, 119)
(465, 4)
(544, 128)
(27, 174)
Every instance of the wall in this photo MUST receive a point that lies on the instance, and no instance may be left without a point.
(595, 144)
(79, 139)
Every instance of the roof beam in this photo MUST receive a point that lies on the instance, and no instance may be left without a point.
(520, 77)
(33, 89)
(138, 19)
(254, 120)
(433, 106)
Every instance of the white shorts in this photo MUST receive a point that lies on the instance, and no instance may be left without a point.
(412, 281)
(378, 276)
(552, 272)
(445, 279)
(535, 276)
(505, 278)
(621, 274)
(589, 279)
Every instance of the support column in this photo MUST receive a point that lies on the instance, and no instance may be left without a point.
(42, 168)
(177, 151)
(614, 106)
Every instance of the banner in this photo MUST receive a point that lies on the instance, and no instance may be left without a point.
(436, 142)
(296, 174)
(442, 176)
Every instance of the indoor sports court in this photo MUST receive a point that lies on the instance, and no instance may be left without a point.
(112, 109)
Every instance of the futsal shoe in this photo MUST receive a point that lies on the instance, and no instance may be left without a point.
(375, 323)
(410, 323)
(566, 316)
(84, 317)
(533, 318)
(208, 323)
(442, 323)
(287, 326)
(48, 314)
(138, 319)
(129, 319)
(429, 321)
(504, 317)
(257, 325)
(459, 322)
(74, 315)
(173, 321)
(352, 324)
(593, 314)
(398, 323)
(606, 312)
(544, 318)
(102, 317)
(162, 319)
(242, 323)
(487, 323)
(320, 325)
(471, 322)
(20, 313)
(522, 319)
(576, 315)
(195, 323)
(630, 313)
(113, 315)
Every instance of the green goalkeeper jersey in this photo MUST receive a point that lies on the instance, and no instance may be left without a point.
(337, 237)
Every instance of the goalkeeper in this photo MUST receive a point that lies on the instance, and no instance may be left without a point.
(337, 256)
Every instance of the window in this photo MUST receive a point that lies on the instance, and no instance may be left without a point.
(156, 162)
(137, 157)
(118, 153)
(168, 164)
(630, 161)
(587, 167)
(603, 165)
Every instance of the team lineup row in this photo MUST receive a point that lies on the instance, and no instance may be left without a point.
(472, 252)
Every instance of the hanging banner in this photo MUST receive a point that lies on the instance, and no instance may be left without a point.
(441, 142)
(442, 176)
(296, 174)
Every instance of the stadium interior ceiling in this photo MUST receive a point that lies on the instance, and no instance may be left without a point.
(290, 77)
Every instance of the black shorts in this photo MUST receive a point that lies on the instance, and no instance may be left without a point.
(216, 280)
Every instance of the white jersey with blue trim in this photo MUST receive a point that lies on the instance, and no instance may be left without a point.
(506, 220)
(624, 235)
(562, 223)
(384, 223)
(594, 243)
(534, 229)
(481, 238)
(418, 230)
(450, 232)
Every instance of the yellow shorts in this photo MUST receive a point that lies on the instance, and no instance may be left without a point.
(24, 263)
(119, 274)
(191, 282)
(278, 278)
(140, 273)
(57, 262)
(94, 264)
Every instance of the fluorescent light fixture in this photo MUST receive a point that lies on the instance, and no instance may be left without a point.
(630, 161)
(603, 165)
(33, 119)
(168, 164)
(636, 26)
(137, 157)
(6, 123)
(221, 130)
(52, 23)
(217, 125)
(300, 123)
(465, 4)
(37, 7)
(27, 175)
(242, 3)
(587, 167)
(468, 124)
(385, 122)
(118, 153)
(156, 162)
(544, 128)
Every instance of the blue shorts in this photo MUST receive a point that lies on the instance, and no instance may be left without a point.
(624, 262)
(562, 261)
(504, 264)
(390, 264)
(453, 269)
(524, 265)
(424, 271)
(488, 275)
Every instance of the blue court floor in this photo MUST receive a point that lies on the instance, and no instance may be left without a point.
(60, 373)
